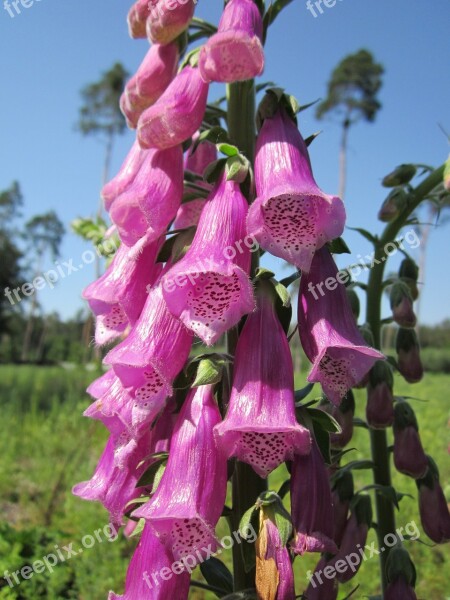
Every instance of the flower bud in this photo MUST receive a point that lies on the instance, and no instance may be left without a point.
(433, 508)
(409, 273)
(401, 575)
(409, 456)
(380, 399)
(399, 176)
(408, 355)
(393, 205)
(402, 305)
(344, 416)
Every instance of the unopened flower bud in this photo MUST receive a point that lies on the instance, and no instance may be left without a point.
(401, 575)
(399, 176)
(393, 205)
(408, 355)
(409, 273)
(409, 456)
(433, 508)
(402, 305)
(380, 399)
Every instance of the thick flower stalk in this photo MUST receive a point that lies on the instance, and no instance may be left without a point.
(157, 70)
(149, 560)
(380, 397)
(433, 508)
(167, 20)
(260, 427)
(151, 202)
(150, 358)
(125, 177)
(209, 289)
(409, 456)
(311, 504)
(291, 217)
(190, 496)
(177, 114)
(235, 52)
(118, 297)
(328, 332)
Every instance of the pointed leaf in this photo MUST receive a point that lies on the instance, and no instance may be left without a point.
(217, 575)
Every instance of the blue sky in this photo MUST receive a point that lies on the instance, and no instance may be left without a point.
(52, 49)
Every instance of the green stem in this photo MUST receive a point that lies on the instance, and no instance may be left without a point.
(378, 438)
(246, 485)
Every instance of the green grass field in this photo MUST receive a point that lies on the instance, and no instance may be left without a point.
(47, 446)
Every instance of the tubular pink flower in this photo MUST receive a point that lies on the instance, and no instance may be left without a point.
(150, 358)
(188, 214)
(260, 427)
(380, 397)
(157, 70)
(291, 217)
(152, 558)
(189, 499)
(125, 176)
(114, 487)
(409, 456)
(400, 590)
(168, 18)
(197, 161)
(137, 19)
(311, 505)
(117, 298)
(320, 587)
(235, 52)
(178, 113)
(209, 289)
(328, 332)
(433, 508)
(148, 206)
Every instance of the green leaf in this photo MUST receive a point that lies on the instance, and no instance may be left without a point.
(283, 294)
(138, 529)
(366, 234)
(284, 489)
(147, 479)
(217, 575)
(356, 465)
(215, 135)
(237, 168)
(309, 140)
(209, 372)
(287, 281)
(304, 392)
(263, 274)
(227, 149)
(338, 246)
(248, 520)
(272, 13)
(324, 420)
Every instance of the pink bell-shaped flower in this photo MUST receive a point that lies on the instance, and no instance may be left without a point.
(167, 19)
(157, 70)
(291, 217)
(151, 202)
(125, 176)
(190, 496)
(137, 19)
(177, 114)
(380, 398)
(260, 427)
(311, 504)
(433, 508)
(209, 289)
(150, 358)
(328, 332)
(409, 456)
(117, 298)
(144, 579)
(408, 355)
(235, 52)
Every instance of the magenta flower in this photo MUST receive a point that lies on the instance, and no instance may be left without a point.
(137, 19)
(235, 52)
(117, 298)
(380, 398)
(178, 113)
(167, 20)
(342, 494)
(328, 332)
(125, 176)
(147, 207)
(115, 486)
(400, 590)
(157, 70)
(409, 456)
(433, 508)
(321, 586)
(209, 289)
(260, 427)
(144, 579)
(197, 161)
(189, 499)
(150, 358)
(311, 504)
(291, 217)
(408, 355)
(188, 214)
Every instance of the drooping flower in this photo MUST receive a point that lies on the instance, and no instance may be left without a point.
(166, 20)
(343, 414)
(235, 52)
(401, 575)
(144, 580)
(117, 298)
(115, 486)
(402, 305)
(190, 496)
(151, 202)
(321, 587)
(400, 590)
(355, 537)
(409, 456)
(408, 355)
(291, 217)
(311, 504)
(380, 398)
(342, 494)
(177, 114)
(150, 358)
(137, 19)
(209, 289)
(328, 332)
(260, 427)
(434, 512)
(125, 176)
(153, 76)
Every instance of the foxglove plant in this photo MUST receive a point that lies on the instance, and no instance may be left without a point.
(167, 20)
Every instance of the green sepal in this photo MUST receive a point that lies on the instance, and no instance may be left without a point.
(217, 575)
(401, 175)
(338, 246)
